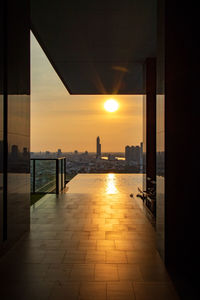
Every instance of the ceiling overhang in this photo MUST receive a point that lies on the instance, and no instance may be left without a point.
(97, 47)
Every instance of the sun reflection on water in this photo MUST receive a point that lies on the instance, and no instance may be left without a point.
(111, 184)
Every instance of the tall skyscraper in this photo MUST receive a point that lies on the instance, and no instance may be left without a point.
(98, 147)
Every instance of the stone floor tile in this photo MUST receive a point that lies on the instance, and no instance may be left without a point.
(106, 227)
(154, 272)
(58, 273)
(71, 245)
(54, 256)
(120, 291)
(124, 245)
(143, 257)
(83, 272)
(98, 221)
(112, 221)
(116, 256)
(75, 257)
(113, 235)
(154, 291)
(22, 272)
(120, 227)
(97, 235)
(24, 291)
(129, 272)
(69, 291)
(78, 235)
(95, 256)
(106, 245)
(106, 272)
(88, 244)
(90, 228)
(93, 290)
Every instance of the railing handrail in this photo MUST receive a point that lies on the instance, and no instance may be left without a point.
(51, 158)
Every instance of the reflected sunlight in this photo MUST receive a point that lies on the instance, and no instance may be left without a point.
(111, 184)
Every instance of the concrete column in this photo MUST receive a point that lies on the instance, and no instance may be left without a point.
(150, 107)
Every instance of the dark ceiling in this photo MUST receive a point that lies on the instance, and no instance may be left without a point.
(97, 47)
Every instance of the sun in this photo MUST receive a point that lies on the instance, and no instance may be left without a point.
(111, 105)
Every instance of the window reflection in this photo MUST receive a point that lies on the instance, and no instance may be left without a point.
(111, 184)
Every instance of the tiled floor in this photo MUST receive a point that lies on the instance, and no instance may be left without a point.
(92, 242)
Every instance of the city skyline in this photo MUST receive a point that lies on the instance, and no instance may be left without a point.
(69, 122)
(85, 150)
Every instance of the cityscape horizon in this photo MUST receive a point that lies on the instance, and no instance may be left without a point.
(82, 151)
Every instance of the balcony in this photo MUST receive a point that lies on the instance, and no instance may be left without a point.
(92, 241)
(48, 175)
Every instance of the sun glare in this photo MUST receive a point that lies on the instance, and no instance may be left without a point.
(111, 105)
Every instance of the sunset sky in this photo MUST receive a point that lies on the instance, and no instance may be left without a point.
(70, 122)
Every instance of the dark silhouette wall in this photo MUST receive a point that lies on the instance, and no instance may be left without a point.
(179, 58)
(15, 129)
(150, 81)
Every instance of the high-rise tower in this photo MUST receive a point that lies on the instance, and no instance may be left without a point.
(98, 147)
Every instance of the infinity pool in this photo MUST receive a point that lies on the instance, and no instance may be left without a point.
(105, 184)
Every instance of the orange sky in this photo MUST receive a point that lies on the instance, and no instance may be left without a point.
(70, 122)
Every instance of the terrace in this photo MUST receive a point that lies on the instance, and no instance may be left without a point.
(92, 241)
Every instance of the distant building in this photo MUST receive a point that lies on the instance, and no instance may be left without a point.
(59, 153)
(25, 152)
(47, 153)
(133, 155)
(98, 148)
(111, 157)
(14, 151)
(127, 153)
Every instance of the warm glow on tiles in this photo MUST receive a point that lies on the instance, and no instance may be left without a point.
(111, 184)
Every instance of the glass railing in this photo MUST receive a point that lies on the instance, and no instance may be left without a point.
(48, 175)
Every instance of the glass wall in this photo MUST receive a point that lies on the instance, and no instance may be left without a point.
(45, 176)
(1, 118)
(144, 141)
(18, 168)
(1, 166)
(160, 175)
(160, 136)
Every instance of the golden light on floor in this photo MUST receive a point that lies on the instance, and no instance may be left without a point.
(111, 184)
(111, 105)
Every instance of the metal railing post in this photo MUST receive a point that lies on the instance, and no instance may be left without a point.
(33, 176)
(64, 172)
(57, 176)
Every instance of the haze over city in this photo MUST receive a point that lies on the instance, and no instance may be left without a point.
(71, 122)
